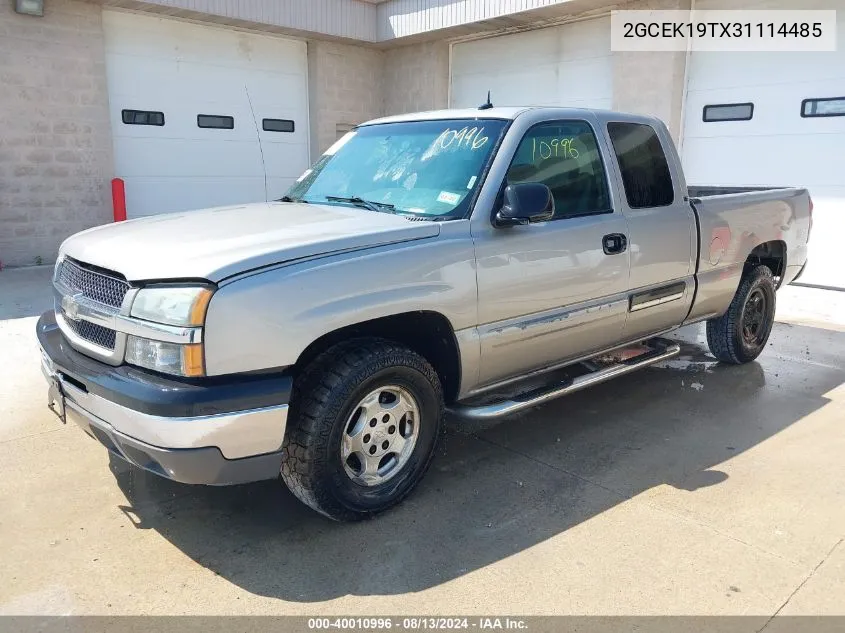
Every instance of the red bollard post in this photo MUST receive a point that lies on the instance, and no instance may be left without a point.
(118, 196)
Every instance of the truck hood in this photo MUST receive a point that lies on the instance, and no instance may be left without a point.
(216, 243)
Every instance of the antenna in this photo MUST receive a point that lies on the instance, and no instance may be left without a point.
(260, 146)
(488, 105)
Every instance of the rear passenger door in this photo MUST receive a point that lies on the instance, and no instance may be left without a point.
(661, 226)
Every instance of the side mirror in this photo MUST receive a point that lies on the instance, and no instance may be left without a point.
(525, 202)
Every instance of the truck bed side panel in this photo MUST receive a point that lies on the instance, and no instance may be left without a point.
(732, 225)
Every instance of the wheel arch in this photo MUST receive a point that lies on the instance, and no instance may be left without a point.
(428, 333)
(771, 254)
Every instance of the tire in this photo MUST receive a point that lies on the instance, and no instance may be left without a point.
(737, 337)
(333, 399)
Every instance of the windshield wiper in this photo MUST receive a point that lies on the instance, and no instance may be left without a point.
(369, 204)
(289, 199)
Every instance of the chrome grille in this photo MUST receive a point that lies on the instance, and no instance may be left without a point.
(93, 285)
(93, 333)
(74, 279)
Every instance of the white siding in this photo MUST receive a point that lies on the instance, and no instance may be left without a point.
(341, 18)
(353, 19)
(401, 18)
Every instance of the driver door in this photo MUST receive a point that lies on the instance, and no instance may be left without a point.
(552, 291)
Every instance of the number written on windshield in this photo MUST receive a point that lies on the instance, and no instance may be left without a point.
(471, 138)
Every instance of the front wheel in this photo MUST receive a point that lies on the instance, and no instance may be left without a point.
(365, 422)
(740, 335)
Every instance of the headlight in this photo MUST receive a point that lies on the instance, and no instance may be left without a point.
(182, 306)
(168, 358)
(173, 305)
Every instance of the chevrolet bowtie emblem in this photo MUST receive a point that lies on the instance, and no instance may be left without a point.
(70, 306)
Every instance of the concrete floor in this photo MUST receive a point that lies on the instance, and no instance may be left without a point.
(689, 488)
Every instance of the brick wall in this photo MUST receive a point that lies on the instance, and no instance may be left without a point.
(344, 89)
(416, 77)
(55, 139)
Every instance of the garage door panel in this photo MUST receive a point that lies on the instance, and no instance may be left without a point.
(152, 196)
(584, 40)
(768, 160)
(518, 52)
(197, 43)
(267, 86)
(777, 146)
(186, 158)
(777, 110)
(180, 121)
(286, 141)
(187, 80)
(278, 90)
(584, 79)
(745, 70)
(183, 70)
(824, 250)
(277, 187)
(281, 159)
(564, 65)
(535, 86)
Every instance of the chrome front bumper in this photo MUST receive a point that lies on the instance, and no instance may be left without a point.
(219, 448)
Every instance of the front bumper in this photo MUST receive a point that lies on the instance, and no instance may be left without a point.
(217, 430)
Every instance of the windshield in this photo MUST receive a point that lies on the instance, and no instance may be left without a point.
(422, 168)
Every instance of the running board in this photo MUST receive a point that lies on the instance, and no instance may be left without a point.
(657, 349)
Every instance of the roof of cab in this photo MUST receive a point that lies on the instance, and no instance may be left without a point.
(503, 113)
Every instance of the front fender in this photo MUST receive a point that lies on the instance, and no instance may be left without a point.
(266, 320)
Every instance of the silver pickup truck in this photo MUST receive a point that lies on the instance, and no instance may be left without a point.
(477, 261)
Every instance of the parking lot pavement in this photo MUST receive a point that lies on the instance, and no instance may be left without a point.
(688, 488)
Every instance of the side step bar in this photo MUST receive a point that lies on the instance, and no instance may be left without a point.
(656, 350)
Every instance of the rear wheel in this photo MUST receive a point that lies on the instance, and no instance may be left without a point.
(364, 425)
(740, 335)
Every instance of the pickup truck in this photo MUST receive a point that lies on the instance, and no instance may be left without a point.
(473, 261)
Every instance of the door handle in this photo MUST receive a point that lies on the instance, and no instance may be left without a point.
(614, 243)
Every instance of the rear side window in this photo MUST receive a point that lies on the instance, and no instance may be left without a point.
(645, 172)
(564, 156)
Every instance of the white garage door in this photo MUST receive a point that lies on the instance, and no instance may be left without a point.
(189, 104)
(568, 65)
(777, 146)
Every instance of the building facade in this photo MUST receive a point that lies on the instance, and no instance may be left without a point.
(196, 103)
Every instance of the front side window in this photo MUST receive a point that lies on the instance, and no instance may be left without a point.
(564, 156)
(645, 172)
(422, 168)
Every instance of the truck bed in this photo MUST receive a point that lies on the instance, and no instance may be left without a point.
(703, 191)
(732, 222)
